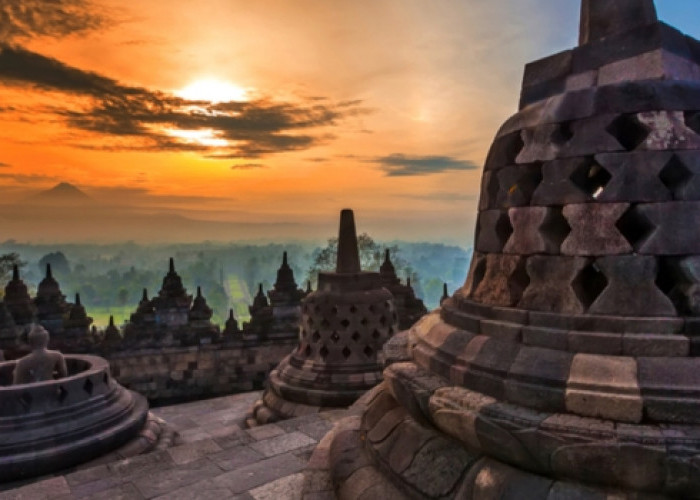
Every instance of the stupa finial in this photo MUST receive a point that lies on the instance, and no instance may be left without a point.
(49, 274)
(172, 265)
(602, 18)
(348, 253)
(15, 273)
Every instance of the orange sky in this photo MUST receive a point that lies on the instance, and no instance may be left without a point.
(385, 106)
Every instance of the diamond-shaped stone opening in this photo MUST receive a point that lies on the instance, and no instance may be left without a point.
(383, 320)
(346, 352)
(316, 336)
(364, 321)
(671, 280)
(323, 352)
(518, 281)
(345, 323)
(511, 146)
(353, 309)
(628, 131)
(25, 399)
(518, 192)
(88, 386)
(589, 284)
(376, 334)
(61, 394)
(692, 120)
(307, 351)
(368, 351)
(334, 311)
(562, 134)
(391, 331)
(591, 178)
(675, 175)
(356, 336)
(503, 229)
(478, 272)
(371, 308)
(335, 337)
(634, 226)
(325, 323)
(555, 228)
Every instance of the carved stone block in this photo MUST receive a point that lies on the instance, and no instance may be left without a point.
(504, 280)
(550, 287)
(557, 187)
(516, 184)
(635, 177)
(631, 289)
(670, 228)
(594, 230)
(493, 230)
(536, 230)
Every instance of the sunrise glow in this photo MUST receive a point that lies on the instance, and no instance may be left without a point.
(213, 90)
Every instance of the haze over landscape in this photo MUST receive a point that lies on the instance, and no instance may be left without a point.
(170, 120)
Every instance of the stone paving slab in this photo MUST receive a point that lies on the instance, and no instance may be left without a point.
(215, 458)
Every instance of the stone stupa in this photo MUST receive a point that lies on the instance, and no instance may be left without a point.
(567, 365)
(344, 324)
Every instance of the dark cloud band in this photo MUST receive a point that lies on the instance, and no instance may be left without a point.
(398, 165)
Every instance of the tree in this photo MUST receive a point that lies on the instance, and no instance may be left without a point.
(371, 257)
(58, 261)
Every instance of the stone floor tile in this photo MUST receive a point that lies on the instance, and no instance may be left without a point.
(234, 458)
(125, 491)
(265, 431)
(284, 488)
(49, 488)
(160, 483)
(282, 444)
(259, 473)
(193, 451)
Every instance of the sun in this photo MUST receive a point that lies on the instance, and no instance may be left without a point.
(213, 90)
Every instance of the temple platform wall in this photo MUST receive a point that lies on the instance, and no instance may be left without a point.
(187, 373)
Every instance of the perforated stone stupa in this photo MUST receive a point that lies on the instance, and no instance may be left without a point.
(567, 365)
(344, 324)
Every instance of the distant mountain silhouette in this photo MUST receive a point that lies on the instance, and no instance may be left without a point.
(61, 194)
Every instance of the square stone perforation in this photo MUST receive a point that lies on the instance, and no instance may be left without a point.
(369, 352)
(591, 178)
(675, 176)
(356, 336)
(628, 131)
(670, 280)
(634, 226)
(346, 352)
(316, 336)
(88, 386)
(518, 183)
(589, 284)
(335, 337)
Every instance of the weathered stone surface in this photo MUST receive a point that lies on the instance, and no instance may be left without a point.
(551, 287)
(654, 345)
(504, 280)
(594, 230)
(669, 389)
(595, 342)
(537, 379)
(516, 185)
(557, 186)
(536, 230)
(631, 288)
(604, 387)
(657, 64)
(493, 230)
(671, 228)
(635, 177)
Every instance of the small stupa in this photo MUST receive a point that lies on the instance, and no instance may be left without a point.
(51, 305)
(344, 324)
(172, 304)
(409, 307)
(18, 301)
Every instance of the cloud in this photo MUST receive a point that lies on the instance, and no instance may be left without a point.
(26, 19)
(136, 118)
(396, 165)
(247, 166)
(4, 165)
